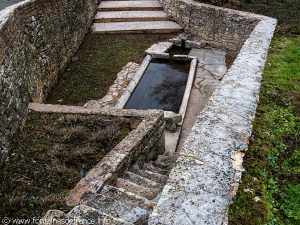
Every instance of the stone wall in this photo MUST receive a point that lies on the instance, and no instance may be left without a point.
(206, 175)
(214, 25)
(37, 40)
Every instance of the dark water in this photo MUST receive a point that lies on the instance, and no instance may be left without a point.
(161, 87)
(6, 3)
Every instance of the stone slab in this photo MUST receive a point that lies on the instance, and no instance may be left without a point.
(161, 47)
(128, 5)
(137, 27)
(130, 16)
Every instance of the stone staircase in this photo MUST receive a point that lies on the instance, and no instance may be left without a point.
(128, 200)
(133, 17)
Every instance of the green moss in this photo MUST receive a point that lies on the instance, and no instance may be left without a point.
(287, 12)
(49, 156)
(272, 161)
(96, 65)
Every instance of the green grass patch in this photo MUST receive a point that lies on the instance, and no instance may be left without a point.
(50, 155)
(272, 162)
(96, 64)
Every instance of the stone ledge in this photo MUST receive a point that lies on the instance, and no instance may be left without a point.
(147, 135)
(206, 175)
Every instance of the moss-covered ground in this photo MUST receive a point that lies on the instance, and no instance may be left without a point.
(96, 64)
(49, 156)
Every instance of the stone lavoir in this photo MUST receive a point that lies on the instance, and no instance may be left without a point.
(179, 165)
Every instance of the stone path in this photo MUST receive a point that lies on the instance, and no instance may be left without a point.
(133, 17)
(211, 68)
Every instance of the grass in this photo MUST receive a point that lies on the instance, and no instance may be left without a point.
(49, 156)
(269, 192)
(272, 162)
(96, 65)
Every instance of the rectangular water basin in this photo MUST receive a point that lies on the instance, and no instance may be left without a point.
(161, 87)
(161, 83)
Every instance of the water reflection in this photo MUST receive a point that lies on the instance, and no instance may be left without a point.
(161, 87)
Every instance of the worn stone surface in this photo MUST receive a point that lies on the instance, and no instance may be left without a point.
(37, 39)
(209, 167)
(137, 27)
(205, 83)
(171, 141)
(83, 214)
(119, 203)
(129, 186)
(116, 89)
(141, 180)
(130, 16)
(160, 47)
(156, 177)
(128, 5)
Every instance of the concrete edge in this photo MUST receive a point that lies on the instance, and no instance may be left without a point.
(188, 88)
(206, 175)
(49, 108)
(132, 85)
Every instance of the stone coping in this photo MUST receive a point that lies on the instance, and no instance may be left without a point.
(134, 82)
(147, 134)
(141, 71)
(206, 175)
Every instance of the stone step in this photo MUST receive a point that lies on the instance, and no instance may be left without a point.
(149, 193)
(121, 204)
(154, 169)
(157, 177)
(137, 179)
(83, 214)
(137, 27)
(129, 6)
(130, 16)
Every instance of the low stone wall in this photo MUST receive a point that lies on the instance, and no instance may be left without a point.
(146, 138)
(216, 26)
(37, 40)
(207, 172)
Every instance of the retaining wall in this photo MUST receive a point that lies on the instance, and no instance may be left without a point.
(37, 40)
(206, 175)
(213, 25)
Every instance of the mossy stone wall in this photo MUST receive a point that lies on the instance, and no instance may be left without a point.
(37, 40)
